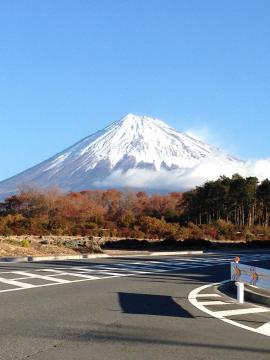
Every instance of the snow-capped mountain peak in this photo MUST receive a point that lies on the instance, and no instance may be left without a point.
(142, 140)
(133, 142)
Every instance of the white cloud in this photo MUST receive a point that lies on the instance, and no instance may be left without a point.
(208, 136)
(185, 179)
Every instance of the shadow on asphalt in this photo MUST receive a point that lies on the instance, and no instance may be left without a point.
(146, 304)
(135, 335)
(129, 335)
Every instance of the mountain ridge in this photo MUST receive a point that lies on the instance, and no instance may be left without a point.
(133, 142)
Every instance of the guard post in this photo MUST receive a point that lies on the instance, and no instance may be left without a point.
(235, 275)
(240, 292)
(256, 277)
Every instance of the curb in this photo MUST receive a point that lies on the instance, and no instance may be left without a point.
(46, 258)
(227, 315)
(161, 253)
(257, 297)
(91, 256)
(229, 289)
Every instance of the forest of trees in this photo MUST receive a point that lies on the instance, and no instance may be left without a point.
(242, 201)
(229, 208)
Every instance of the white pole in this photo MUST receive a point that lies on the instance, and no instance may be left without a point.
(240, 292)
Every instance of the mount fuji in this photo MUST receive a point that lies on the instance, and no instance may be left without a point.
(120, 155)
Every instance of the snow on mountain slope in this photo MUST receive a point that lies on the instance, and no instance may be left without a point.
(130, 144)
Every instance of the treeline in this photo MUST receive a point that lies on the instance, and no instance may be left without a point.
(229, 208)
(243, 201)
(96, 213)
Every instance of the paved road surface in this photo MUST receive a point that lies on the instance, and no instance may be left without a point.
(124, 308)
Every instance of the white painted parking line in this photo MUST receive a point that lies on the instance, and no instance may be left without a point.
(120, 267)
(264, 329)
(36, 276)
(83, 269)
(223, 315)
(87, 272)
(214, 302)
(102, 268)
(90, 277)
(114, 274)
(51, 270)
(16, 283)
(162, 264)
(208, 295)
(234, 312)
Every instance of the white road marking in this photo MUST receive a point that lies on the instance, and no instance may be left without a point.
(114, 274)
(208, 295)
(234, 312)
(90, 272)
(84, 269)
(192, 297)
(51, 270)
(16, 283)
(90, 277)
(36, 276)
(168, 264)
(214, 302)
(51, 284)
(123, 267)
(264, 329)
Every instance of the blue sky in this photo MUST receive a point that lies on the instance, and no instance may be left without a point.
(69, 68)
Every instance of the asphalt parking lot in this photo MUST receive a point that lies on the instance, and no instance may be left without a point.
(122, 308)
